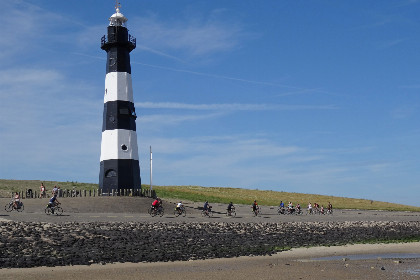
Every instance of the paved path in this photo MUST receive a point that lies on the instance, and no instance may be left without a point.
(128, 209)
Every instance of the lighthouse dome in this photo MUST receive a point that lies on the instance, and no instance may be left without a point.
(117, 19)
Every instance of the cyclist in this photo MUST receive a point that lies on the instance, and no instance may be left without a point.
(16, 201)
(254, 206)
(329, 209)
(230, 208)
(206, 207)
(298, 210)
(290, 207)
(156, 204)
(179, 207)
(53, 202)
(309, 208)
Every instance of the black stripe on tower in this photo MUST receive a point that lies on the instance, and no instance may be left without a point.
(119, 115)
(118, 46)
(128, 174)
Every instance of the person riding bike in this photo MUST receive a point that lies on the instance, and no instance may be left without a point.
(156, 204)
(329, 209)
(309, 208)
(298, 210)
(179, 207)
(16, 201)
(255, 206)
(290, 208)
(230, 207)
(206, 207)
(53, 202)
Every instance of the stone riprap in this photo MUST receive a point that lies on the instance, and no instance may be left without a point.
(44, 244)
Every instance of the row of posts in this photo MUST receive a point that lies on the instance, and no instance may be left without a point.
(90, 193)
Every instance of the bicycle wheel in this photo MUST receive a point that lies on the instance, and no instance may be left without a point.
(184, 213)
(20, 208)
(161, 212)
(48, 210)
(58, 211)
(8, 207)
(233, 213)
(210, 214)
(203, 213)
(176, 213)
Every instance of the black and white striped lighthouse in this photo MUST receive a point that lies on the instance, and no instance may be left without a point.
(119, 167)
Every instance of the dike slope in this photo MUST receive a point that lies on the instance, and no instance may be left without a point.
(43, 244)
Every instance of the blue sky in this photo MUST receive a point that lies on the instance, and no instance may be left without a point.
(299, 96)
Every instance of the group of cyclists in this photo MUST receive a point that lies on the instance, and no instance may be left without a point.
(17, 204)
(231, 211)
(317, 209)
(289, 209)
(157, 207)
(312, 209)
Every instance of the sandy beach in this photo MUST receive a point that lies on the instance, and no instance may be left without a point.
(293, 264)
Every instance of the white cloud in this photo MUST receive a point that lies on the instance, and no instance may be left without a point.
(193, 37)
(23, 24)
(156, 120)
(231, 107)
(45, 127)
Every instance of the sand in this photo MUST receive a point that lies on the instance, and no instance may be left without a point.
(293, 264)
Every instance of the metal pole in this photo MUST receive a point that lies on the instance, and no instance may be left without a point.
(151, 157)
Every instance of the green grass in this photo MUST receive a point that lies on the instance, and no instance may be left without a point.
(246, 196)
(220, 195)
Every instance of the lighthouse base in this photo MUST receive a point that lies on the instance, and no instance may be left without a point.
(119, 174)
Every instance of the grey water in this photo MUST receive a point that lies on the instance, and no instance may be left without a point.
(369, 257)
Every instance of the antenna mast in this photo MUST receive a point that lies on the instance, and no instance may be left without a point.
(151, 158)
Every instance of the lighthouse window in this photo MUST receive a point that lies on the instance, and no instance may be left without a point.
(124, 111)
(111, 173)
(124, 147)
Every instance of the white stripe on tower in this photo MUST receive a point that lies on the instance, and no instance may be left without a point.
(119, 167)
(118, 86)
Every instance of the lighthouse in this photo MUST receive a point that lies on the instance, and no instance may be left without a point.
(119, 161)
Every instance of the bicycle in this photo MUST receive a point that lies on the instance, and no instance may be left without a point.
(207, 213)
(231, 213)
(281, 211)
(180, 211)
(156, 211)
(56, 209)
(11, 206)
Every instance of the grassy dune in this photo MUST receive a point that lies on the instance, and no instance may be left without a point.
(246, 196)
(219, 195)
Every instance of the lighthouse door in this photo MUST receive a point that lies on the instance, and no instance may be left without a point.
(110, 181)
